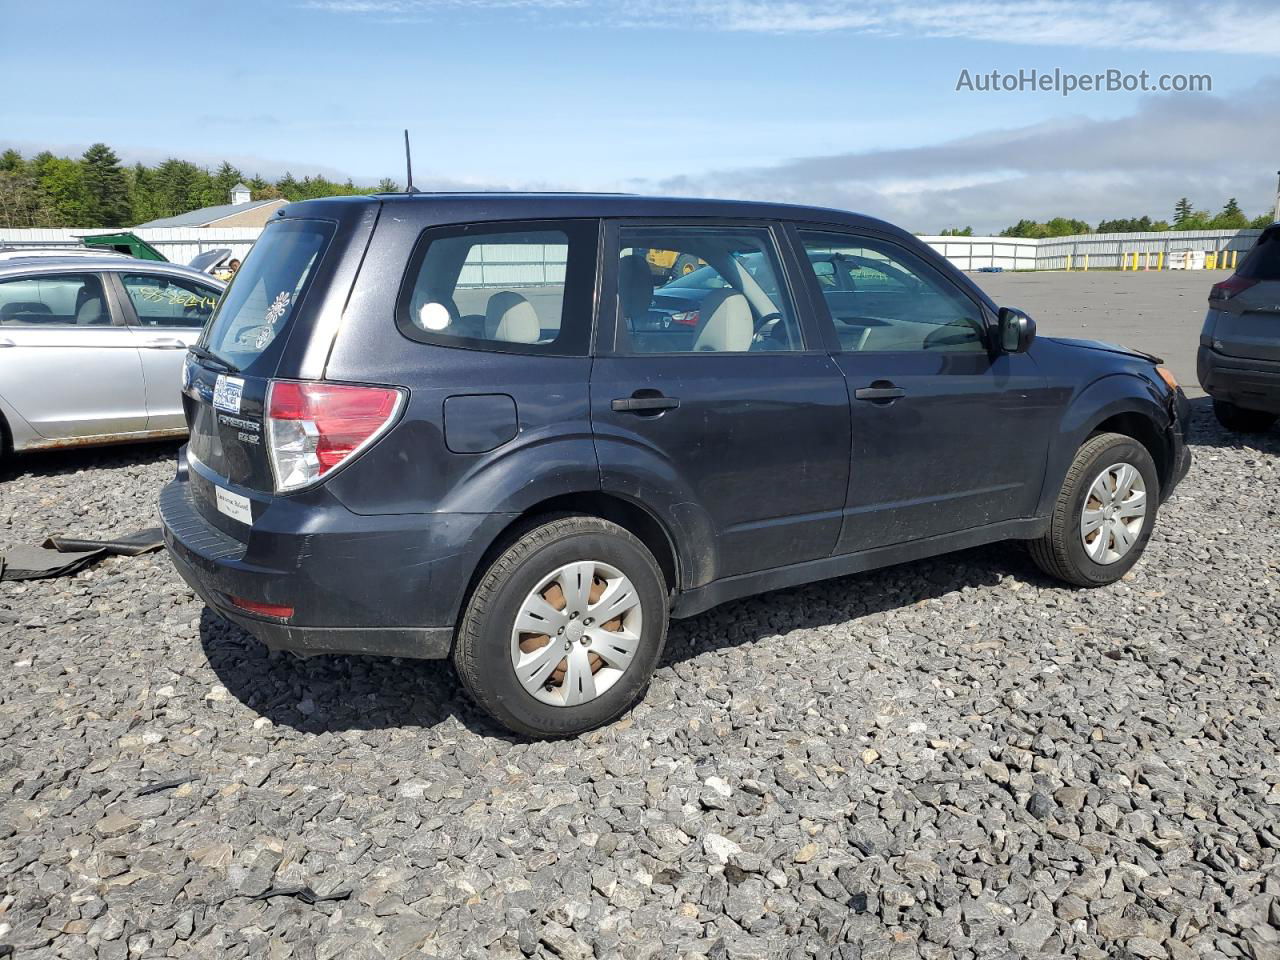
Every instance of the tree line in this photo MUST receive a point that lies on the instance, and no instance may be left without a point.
(1185, 217)
(97, 190)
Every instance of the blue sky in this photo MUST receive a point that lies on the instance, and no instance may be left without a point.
(844, 103)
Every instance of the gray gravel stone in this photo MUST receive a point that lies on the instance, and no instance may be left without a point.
(949, 759)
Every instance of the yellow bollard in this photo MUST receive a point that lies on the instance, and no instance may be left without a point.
(1135, 261)
(1146, 265)
(1068, 263)
(1124, 261)
(1234, 255)
(1160, 261)
(1086, 263)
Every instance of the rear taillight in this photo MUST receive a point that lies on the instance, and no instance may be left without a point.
(687, 319)
(1229, 287)
(313, 427)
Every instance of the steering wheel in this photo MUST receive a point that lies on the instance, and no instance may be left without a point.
(760, 336)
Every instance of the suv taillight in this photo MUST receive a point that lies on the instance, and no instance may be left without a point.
(313, 427)
(1229, 287)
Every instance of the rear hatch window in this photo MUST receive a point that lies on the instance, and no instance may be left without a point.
(256, 310)
(1263, 261)
(229, 370)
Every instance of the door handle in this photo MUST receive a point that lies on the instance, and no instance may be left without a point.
(6, 342)
(880, 391)
(165, 343)
(645, 404)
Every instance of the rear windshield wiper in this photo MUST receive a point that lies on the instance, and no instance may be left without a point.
(213, 359)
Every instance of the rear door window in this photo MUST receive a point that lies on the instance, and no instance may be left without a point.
(733, 302)
(258, 306)
(164, 301)
(69, 299)
(509, 287)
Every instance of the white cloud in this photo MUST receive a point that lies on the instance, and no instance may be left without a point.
(1204, 147)
(1219, 26)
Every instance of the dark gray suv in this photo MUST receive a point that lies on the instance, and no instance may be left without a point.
(1238, 363)
(457, 426)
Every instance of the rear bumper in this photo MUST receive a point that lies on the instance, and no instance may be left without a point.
(1251, 384)
(384, 585)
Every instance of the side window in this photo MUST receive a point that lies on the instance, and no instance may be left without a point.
(162, 301)
(64, 299)
(524, 288)
(882, 298)
(702, 290)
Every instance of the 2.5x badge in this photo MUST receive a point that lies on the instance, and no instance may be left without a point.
(227, 392)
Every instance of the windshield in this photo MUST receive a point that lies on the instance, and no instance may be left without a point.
(260, 303)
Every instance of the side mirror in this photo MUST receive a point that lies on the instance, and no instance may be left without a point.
(1017, 330)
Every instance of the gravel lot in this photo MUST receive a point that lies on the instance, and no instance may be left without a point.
(953, 758)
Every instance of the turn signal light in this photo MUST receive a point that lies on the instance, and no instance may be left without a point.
(1167, 376)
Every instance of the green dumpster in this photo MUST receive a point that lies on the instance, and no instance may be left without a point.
(125, 242)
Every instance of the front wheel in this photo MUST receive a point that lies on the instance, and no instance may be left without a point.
(1104, 514)
(1240, 420)
(564, 629)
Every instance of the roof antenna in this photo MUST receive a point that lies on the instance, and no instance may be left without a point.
(408, 167)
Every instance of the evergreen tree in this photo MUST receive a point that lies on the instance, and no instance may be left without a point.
(220, 184)
(106, 189)
(1231, 217)
(1182, 211)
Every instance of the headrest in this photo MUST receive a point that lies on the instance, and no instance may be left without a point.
(511, 318)
(635, 286)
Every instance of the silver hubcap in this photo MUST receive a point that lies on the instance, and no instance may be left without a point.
(576, 633)
(1114, 513)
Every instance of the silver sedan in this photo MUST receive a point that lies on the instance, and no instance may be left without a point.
(91, 348)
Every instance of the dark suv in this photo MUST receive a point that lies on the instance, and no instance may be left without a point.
(455, 425)
(1238, 363)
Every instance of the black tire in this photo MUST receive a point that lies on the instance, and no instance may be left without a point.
(685, 264)
(1240, 420)
(1061, 552)
(482, 652)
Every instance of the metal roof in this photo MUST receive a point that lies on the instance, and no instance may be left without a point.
(205, 215)
(22, 266)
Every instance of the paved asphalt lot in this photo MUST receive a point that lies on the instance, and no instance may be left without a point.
(1157, 312)
(949, 759)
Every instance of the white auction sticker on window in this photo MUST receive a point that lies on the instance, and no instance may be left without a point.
(227, 392)
(235, 506)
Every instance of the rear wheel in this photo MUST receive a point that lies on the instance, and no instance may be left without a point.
(1240, 420)
(1104, 514)
(564, 629)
